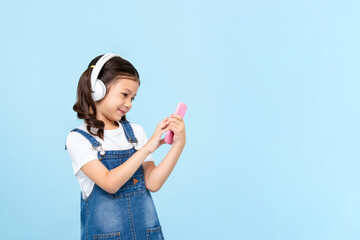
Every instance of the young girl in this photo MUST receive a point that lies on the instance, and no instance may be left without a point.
(112, 158)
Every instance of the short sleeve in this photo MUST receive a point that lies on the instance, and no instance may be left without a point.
(80, 150)
(142, 138)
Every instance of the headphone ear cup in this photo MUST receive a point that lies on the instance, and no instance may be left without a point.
(100, 90)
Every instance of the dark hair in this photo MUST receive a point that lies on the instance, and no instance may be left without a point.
(85, 105)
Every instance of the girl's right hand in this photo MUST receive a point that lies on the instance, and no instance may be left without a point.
(155, 141)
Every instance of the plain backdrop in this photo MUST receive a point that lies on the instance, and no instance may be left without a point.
(272, 126)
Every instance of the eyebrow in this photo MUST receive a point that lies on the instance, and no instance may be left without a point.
(129, 91)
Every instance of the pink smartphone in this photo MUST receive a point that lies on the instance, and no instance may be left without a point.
(181, 109)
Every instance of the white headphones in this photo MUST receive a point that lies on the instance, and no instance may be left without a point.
(98, 88)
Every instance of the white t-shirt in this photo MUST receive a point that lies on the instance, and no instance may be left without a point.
(82, 152)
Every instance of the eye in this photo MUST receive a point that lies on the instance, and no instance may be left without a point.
(125, 94)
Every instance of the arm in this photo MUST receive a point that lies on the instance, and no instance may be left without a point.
(111, 181)
(159, 174)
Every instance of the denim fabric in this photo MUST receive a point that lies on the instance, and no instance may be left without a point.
(129, 213)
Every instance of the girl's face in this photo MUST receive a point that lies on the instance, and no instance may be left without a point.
(117, 102)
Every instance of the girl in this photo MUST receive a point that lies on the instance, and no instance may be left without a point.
(111, 156)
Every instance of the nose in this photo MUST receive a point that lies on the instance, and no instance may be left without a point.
(128, 104)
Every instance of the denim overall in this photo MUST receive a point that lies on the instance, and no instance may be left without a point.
(129, 213)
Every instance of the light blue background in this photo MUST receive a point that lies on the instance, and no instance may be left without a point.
(272, 89)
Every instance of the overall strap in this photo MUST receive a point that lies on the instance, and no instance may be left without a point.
(130, 136)
(95, 144)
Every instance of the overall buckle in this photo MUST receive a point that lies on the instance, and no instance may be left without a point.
(102, 152)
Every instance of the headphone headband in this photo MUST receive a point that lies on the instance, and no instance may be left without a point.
(97, 68)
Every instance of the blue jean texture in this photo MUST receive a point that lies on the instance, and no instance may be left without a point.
(129, 213)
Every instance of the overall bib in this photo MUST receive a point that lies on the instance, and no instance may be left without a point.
(128, 214)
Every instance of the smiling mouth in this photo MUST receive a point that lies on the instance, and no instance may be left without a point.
(122, 112)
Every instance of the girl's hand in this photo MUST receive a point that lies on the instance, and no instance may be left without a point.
(155, 141)
(177, 125)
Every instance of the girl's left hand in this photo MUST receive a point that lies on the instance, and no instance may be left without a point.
(177, 125)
